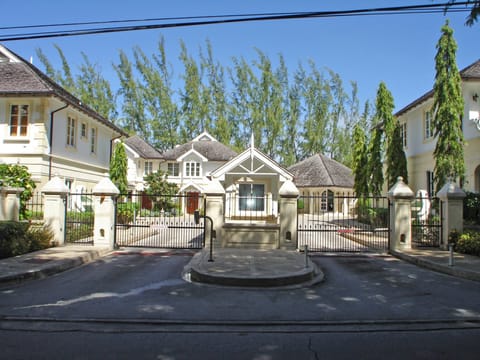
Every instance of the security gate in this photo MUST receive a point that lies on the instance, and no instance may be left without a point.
(426, 221)
(79, 218)
(343, 223)
(158, 221)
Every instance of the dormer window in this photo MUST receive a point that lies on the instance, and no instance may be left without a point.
(19, 120)
(192, 169)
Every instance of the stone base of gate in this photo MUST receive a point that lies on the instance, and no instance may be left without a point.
(250, 236)
(253, 268)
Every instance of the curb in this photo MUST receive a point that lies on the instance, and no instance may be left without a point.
(445, 269)
(56, 266)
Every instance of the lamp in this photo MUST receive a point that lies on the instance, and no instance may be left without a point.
(475, 97)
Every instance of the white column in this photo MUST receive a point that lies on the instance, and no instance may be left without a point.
(55, 193)
(401, 197)
(105, 193)
(451, 197)
(214, 208)
(288, 216)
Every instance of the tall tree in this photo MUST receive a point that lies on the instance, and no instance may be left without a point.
(158, 96)
(94, 90)
(396, 158)
(448, 111)
(384, 105)
(290, 142)
(360, 161)
(317, 99)
(269, 106)
(337, 115)
(215, 93)
(64, 77)
(118, 168)
(375, 162)
(193, 107)
(133, 107)
(244, 111)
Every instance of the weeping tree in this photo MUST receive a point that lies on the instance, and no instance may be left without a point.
(448, 110)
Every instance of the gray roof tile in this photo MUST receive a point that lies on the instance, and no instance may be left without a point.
(321, 171)
(212, 150)
(144, 149)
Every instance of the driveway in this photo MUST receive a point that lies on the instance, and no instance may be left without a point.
(359, 288)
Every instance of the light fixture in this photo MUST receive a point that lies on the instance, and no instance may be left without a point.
(475, 97)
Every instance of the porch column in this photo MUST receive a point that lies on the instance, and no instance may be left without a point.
(288, 216)
(401, 197)
(105, 193)
(451, 197)
(214, 208)
(55, 194)
(10, 203)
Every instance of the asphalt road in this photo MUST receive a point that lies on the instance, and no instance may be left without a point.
(125, 306)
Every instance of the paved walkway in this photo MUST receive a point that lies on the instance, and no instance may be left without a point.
(230, 266)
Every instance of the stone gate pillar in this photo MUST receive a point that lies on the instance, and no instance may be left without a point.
(214, 208)
(10, 203)
(401, 197)
(451, 197)
(288, 194)
(55, 194)
(105, 193)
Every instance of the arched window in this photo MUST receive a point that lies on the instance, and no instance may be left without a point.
(477, 179)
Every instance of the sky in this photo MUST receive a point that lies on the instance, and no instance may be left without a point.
(396, 49)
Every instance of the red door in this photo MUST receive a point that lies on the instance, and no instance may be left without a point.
(192, 202)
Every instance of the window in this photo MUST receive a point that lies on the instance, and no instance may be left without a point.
(403, 133)
(93, 140)
(71, 131)
(428, 124)
(148, 167)
(252, 197)
(83, 130)
(173, 169)
(327, 201)
(18, 120)
(192, 169)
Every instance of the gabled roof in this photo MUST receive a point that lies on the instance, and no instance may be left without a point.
(20, 78)
(262, 161)
(321, 171)
(206, 146)
(142, 148)
(471, 72)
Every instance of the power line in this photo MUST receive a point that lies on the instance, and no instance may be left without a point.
(225, 19)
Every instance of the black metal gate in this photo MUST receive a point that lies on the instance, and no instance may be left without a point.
(343, 223)
(159, 221)
(79, 218)
(426, 222)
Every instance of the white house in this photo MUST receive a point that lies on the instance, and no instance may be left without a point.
(47, 129)
(143, 159)
(189, 165)
(418, 134)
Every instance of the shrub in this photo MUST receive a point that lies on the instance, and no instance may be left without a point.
(126, 212)
(17, 238)
(39, 237)
(466, 243)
